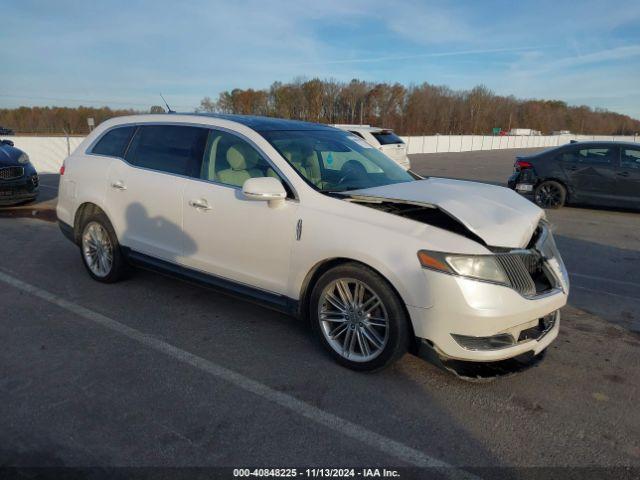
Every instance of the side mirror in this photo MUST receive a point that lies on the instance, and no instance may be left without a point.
(264, 188)
(7, 142)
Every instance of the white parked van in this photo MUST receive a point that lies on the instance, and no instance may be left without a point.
(315, 222)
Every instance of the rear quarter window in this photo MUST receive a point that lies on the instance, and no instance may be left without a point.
(630, 158)
(114, 142)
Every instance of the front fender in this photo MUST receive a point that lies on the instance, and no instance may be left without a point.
(391, 254)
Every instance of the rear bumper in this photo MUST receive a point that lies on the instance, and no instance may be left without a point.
(525, 179)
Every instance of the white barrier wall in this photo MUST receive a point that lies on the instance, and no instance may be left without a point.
(467, 143)
(48, 153)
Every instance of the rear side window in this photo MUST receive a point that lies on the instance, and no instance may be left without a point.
(114, 142)
(386, 137)
(168, 148)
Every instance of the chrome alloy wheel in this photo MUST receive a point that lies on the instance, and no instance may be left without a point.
(97, 249)
(353, 319)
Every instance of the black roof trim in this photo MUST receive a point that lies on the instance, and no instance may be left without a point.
(265, 124)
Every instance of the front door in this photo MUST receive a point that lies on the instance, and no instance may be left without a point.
(242, 240)
(590, 170)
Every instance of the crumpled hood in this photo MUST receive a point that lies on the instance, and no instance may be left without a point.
(501, 217)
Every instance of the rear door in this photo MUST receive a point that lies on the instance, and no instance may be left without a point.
(591, 172)
(144, 190)
(628, 175)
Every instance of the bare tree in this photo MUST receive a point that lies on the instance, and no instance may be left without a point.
(414, 110)
(206, 105)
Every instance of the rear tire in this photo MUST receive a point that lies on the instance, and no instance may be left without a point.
(550, 194)
(358, 318)
(100, 250)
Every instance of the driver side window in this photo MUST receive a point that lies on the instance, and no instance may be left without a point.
(230, 160)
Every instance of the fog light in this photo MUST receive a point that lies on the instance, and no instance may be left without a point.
(494, 342)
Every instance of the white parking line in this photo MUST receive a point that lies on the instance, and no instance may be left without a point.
(344, 427)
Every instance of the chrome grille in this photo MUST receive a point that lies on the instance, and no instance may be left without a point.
(9, 173)
(519, 268)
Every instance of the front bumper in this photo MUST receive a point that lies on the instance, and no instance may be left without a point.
(470, 308)
(19, 190)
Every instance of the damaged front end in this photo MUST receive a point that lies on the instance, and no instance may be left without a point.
(535, 269)
(420, 212)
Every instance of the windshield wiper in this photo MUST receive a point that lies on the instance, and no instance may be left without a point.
(346, 189)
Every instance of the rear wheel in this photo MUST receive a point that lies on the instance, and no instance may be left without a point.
(359, 318)
(100, 250)
(550, 194)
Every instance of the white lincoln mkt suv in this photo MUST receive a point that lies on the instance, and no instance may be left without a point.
(313, 221)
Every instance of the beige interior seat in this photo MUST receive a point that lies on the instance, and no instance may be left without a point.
(242, 161)
(311, 163)
(209, 165)
(304, 161)
(293, 158)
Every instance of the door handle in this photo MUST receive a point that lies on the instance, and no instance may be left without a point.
(118, 185)
(623, 174)
(200, 204)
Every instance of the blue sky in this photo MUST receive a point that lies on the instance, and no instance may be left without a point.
(122, 53)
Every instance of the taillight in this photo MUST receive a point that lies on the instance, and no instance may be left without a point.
(521, 164)
(62, 169)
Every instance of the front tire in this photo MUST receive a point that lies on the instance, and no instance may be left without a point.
(550, 194)
(100, 250)
(358, 318)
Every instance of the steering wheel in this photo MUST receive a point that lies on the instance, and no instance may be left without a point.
(352, 169)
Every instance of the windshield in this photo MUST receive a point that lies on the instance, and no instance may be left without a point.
(336, 161)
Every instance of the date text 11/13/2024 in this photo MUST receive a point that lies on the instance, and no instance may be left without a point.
(316, 472)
